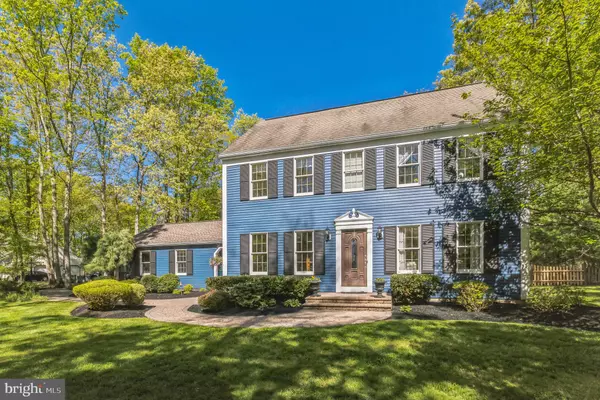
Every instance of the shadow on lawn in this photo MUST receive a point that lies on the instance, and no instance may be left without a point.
(141, 359)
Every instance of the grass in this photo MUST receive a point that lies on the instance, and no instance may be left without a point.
(417, 360)
(592, 295)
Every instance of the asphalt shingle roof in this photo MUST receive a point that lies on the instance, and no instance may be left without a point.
(363, 121)
(189, 233)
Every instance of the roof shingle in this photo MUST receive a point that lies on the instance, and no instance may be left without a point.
(189, 233)
(363, 121)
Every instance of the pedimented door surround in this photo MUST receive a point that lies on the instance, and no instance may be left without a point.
(353, 221)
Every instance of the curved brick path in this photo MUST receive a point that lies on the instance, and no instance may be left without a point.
(176, 310)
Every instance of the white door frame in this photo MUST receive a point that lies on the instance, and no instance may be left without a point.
(358, 221)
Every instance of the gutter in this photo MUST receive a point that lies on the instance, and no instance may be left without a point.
(176, 244)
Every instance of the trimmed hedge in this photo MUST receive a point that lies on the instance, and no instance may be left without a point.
(103, 294)
(167, 283)
(473, 295)
(150, 282)
(413, 288)
(260, 292)
(137, 295)
(215, 300)
(545, 299)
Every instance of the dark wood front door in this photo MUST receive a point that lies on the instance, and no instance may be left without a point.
(354, 258)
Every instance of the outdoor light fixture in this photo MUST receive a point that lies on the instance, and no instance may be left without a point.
(379, 233)
(353, 213)
(327, 235)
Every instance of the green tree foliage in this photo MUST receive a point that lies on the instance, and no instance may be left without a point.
(542, 58)
(243, 122)
(114, 251)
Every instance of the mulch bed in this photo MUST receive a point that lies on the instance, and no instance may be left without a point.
(118, 312)
(242, 312)
(582, 318)
(165, 296)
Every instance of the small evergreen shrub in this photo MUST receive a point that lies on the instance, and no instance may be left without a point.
(405, 308)
(177, 291)
(136, 296)
(473, 295)
(150, 282)
(130, 281)
(546, 299)
(215, 300)
(188, 288)
(413, 288)
(103, 294)
(167, 283)
(292, 303)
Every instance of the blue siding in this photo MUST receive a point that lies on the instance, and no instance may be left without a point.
(202, 268)
(398, 206)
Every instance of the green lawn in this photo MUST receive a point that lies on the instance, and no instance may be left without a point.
(592, 295)
(142, 359)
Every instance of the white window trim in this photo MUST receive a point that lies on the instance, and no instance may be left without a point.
(420, 145)
(142, 273)
(480, 178)
(344, 170)
(251, 253)
(312, 174)
(267, 180)
(481, 251)
(296, 272)
(177, 265)
(420, 249)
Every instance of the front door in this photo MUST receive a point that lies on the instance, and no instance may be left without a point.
(354, 258)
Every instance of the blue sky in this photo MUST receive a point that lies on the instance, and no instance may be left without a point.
(285, 57)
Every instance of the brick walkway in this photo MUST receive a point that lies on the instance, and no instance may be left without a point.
(176, 310)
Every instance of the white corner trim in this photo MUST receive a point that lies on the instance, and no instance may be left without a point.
(525, 257)
(345, 223)
(224, 218)
(215, 254)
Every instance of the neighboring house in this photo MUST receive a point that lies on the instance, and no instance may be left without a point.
(353, 193)
(40, 264)
(184, 249)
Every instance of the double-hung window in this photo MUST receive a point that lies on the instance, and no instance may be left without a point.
(469, 247)
(181, 262)
(145, 263)
(303, 172)
(304, 253)
(469, 160)
(408, 164)
(354, 170)
(409, 249)
(258, 181)
(258, 254)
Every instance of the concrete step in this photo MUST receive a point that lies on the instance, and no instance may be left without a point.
(343, 308)
(318, 300)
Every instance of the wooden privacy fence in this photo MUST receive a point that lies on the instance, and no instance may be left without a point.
(577, 275)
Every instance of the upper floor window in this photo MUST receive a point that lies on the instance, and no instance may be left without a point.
(258, 181)
(258, 254)
(304, 253)
(408, 164)
(469, 161)
(409, 249)
(303, 172)
(353, 170)
(469, 247)
(181, 262)
(145, 262)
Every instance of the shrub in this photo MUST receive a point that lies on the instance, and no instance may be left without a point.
(136, 295)
(130, 281)
(405, 308)
(102, 277)
(202, 290)
(167, 283)
(177, 291)
(252, 294)
(150, 282)
(554, 298)
(8, 286)
(473, 295)
(413, 288)
(292, 303)
(188, 288)
(104, 294)
(215, 300)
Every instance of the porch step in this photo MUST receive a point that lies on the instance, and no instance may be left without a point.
(349, 302)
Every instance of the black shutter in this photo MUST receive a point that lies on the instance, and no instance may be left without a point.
(244, 182)
(427, 166)
(371, 169)
(288, 177)
(189, 264)
(427, 249)
(272, 237)
(319, 174)
(171, 261)
(449, 246)
(319, 243)
(136, 266)
(491, 247)
(244, 254)
(153, 262)
(449, 160)
(390, 180)
(336, 173)
(288, 253)
(272, 183)
(390, 250)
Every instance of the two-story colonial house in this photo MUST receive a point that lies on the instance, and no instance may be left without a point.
(354, 193)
